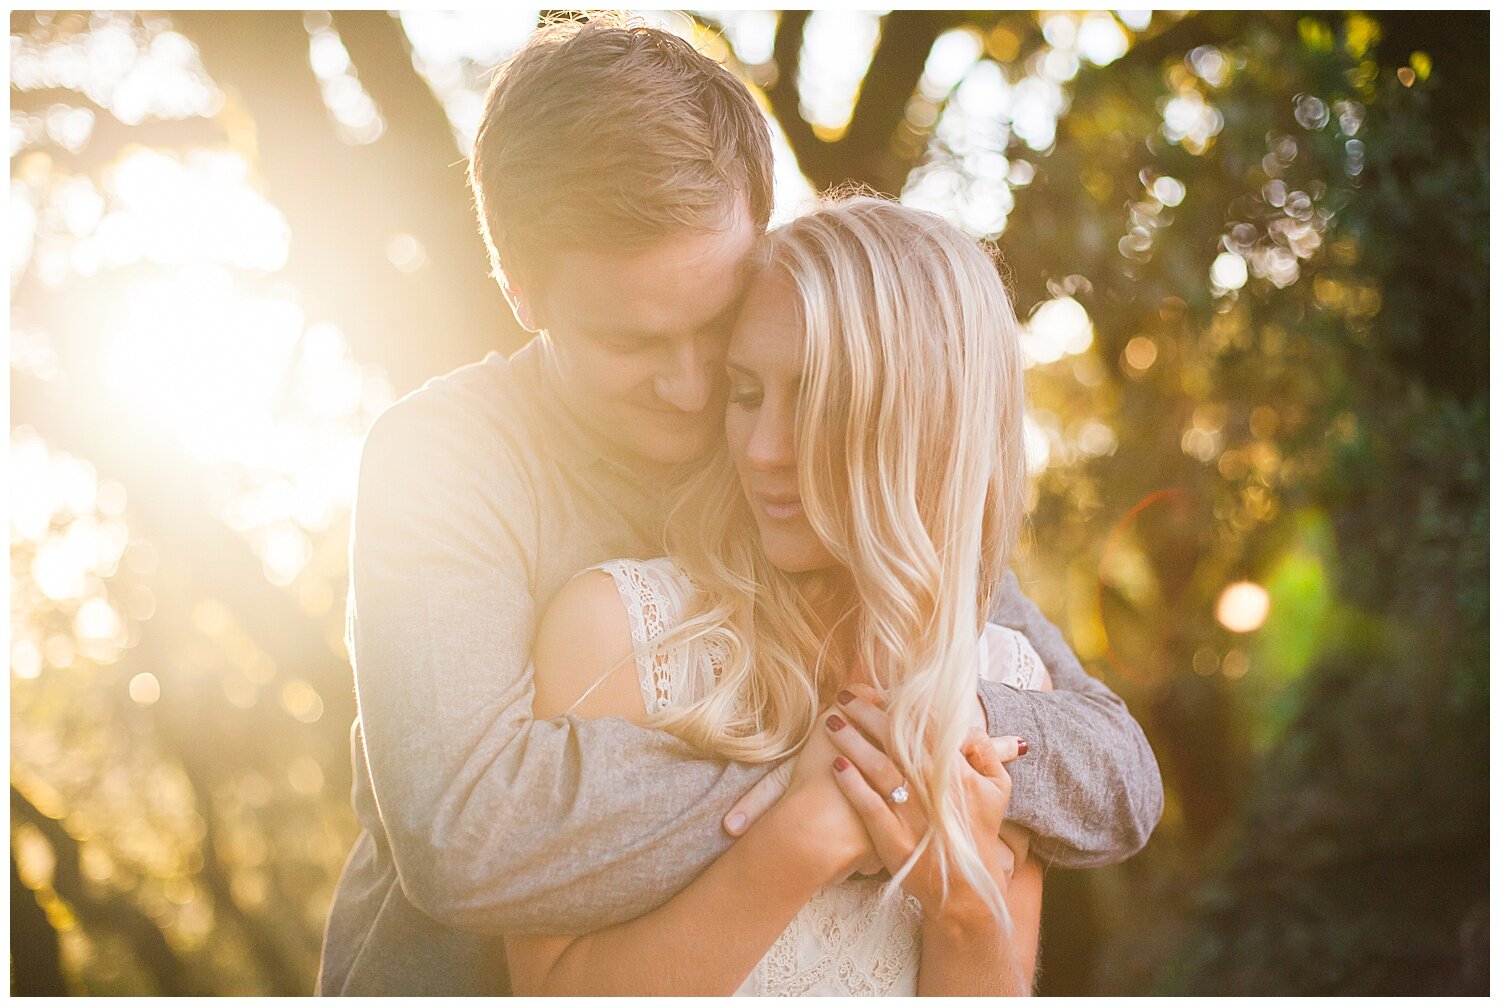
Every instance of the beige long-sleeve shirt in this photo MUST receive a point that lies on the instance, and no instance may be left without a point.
(479, 497)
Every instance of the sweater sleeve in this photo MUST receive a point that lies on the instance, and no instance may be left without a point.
(497, 822)
(1089, 787)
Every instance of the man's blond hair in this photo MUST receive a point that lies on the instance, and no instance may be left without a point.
(612, 134)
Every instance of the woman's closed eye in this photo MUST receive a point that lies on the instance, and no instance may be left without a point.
(745, 396)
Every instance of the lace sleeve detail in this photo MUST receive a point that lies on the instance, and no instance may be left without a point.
(656, 594)
(1008, 657)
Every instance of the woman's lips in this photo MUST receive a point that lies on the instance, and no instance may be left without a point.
(780, 507)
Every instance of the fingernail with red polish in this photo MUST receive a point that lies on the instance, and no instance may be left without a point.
(845, 697)
(841, 763)
(835, 722)
(1021, 747)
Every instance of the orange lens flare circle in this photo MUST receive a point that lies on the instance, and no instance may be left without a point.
(1173, 496)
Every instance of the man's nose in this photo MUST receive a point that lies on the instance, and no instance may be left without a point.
(687, 382)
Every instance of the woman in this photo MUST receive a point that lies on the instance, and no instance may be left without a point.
(842, 546)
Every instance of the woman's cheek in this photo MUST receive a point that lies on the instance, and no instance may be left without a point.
(737, 430)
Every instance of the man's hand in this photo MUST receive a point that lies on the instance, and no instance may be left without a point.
(823, 814)
(769, 790)
(759, 797)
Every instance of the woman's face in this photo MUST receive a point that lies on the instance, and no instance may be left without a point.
(764, 362)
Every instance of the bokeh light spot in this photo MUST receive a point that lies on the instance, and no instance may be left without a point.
(1140, 353)
(1229, 271)
(1100, 39)
(1057, 328)
(406, 253)
(1243, 607)
(96, 620)
(837, 47)
(302, 701)
(953, 54)
(1169, 190)
(25, 659)
(305, 776)
(145, 689)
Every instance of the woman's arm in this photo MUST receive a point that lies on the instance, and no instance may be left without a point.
(966, 951)
(708, 937)
(703, 941)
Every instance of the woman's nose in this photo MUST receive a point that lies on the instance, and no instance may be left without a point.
(773, 444)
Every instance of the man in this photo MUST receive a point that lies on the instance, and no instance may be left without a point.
(621, 179)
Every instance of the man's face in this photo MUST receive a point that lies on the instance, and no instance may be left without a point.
(639, 337)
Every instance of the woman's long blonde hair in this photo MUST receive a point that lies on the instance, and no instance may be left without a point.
(911, 471)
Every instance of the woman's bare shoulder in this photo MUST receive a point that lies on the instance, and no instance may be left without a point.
(584, 654)
(1012, 659)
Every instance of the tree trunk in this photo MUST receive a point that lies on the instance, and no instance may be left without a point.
(345, 203)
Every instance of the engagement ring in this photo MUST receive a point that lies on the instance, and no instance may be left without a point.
(899, 795)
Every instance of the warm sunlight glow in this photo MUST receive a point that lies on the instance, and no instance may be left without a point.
(455, 52)
(67, 541)
(242, 381)
(198, 207)
(134, 73)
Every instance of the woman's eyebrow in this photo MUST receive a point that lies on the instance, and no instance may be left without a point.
(747, 372)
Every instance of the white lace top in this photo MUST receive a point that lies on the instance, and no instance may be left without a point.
(847, 940)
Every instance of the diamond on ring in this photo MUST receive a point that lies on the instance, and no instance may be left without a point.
(899, 795)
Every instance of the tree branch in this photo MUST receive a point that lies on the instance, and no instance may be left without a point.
(115, 912)
(35, 955)
(785, 101)
(865, 151)
(279, 972)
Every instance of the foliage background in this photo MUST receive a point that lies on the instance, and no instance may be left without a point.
(1254, 251)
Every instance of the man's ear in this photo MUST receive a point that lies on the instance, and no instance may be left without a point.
(520, 306)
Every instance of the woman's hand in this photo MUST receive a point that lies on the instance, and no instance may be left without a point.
(867, 777)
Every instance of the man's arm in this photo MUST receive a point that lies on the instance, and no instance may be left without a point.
(476, 798)
(1089, 787)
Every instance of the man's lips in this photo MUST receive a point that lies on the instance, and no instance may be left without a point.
(679, 417)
